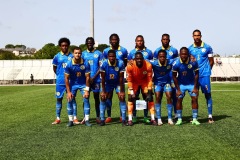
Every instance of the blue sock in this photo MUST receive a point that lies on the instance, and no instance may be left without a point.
(86, 106)
(123, 108)
(74, 104)
(209, 102)
(179, 114)
(174, 100)
(169, 109)
(70, 108)
(158, 110)
(58, 108)
(194, 113)
(102, 110)
(109, 107)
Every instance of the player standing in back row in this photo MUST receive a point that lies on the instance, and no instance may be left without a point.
(121, 54)
(203, 54)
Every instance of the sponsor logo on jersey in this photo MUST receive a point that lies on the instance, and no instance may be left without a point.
(189, 66)
(82, 67)
(95, 55)
(116, 69)
(203, 50)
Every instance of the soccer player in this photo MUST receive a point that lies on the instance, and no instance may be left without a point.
(77, 77)
(162, 81)
(59, 64)
(121, 54)
(147, 54)
(94, 58)
(140, 75)
(172, 53)
(112, 74)
(187, 80)
(203, 54)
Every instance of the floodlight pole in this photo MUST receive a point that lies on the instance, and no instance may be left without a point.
(92, 18)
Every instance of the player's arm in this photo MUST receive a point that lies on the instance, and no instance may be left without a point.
(196, 77)
(69, 93)
(130, 80)
(103, 93)
(174, 75)
(149, 78)
(210, 57)
(86, 93)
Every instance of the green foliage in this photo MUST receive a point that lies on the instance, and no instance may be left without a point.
(6, 55)
(20, 46)
(47, 52)
(101, 47)
(9, 46)
(71, 48)
(26, 131)
(83, 47)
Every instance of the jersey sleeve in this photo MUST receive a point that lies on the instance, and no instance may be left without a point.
(103, 66)
(55, 60)
(105, 53)
(175, 66)
(129, 57)
(129, 76)
(175, 54)
(155, 54)
(67, 69)
(121, 66)
(87, 67)
(125, 54)
(149, 75)
(195, 66)
(210, 51)
(150, 53)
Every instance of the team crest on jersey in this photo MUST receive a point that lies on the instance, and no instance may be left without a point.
(170, 53)
(145, 53)
(78, 74)
(119, 52)
(168, 67)
(189, 66)
(95, 56)
(144, 72)
(82, 67)
(204, 50)
(116, 69)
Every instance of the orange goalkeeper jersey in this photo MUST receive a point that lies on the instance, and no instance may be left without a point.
(139, 76)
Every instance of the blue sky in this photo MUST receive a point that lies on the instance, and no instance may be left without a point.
(37, 22)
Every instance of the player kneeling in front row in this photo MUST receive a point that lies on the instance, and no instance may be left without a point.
(112, 73)
(162, 80)
(187, 80)
(77, 76)
(139, 74)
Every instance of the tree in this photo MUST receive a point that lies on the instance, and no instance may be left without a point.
(47, 52)
(6, 55)
(20, 46)
(71, 48)
(9, 46)
(101, 47)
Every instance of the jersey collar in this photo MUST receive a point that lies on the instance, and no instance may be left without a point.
(113, 64)
(202, 44)
(64, 54)
(185, 62)
(119, 47)
(91, 51)
(161, 64)
(81, 62)
(166, 48)
(140, 50)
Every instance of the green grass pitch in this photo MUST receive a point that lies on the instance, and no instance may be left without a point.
(26, 132)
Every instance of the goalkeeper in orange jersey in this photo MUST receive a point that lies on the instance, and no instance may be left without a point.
(139, 74)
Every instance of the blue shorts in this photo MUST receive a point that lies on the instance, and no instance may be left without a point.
(111, 87)
(74, 89)
(163, 88)
(188, 88)
(205, 84)
(60, 89)
(95, 87)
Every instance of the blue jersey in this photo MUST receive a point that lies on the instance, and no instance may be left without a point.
(147, 53)
(161, 72)
(112, 72)
(185, 71)
(77, 72)
(94, 59)
(201, 54)
(60, 61)
(172, 52)
(121, 53)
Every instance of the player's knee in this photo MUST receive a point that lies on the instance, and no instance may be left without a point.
(208, 95)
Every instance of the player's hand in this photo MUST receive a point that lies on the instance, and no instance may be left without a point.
(130, 62)
(121, 94)
(86, 94)
(195, 90)
(103, 95)
(69, 96)
(149, 97)
(178, 93)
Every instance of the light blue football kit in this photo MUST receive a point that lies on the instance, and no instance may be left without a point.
(147, 53)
